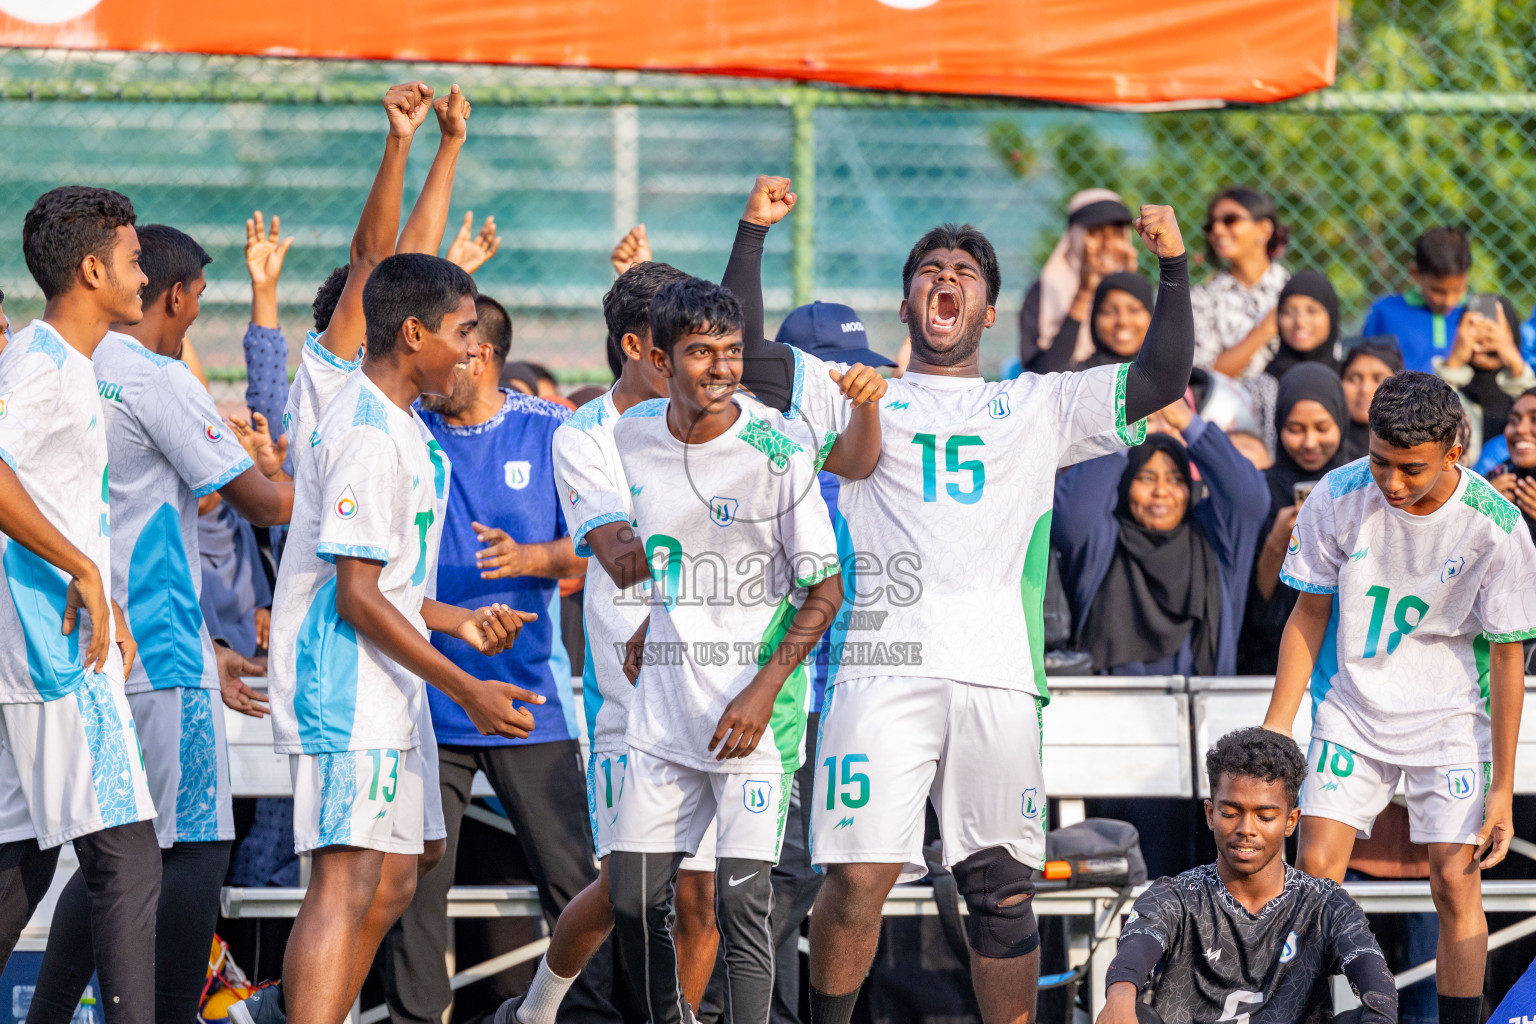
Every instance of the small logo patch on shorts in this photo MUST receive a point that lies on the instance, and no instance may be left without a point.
(1029, 806)
(1461, 782)
(756, 794)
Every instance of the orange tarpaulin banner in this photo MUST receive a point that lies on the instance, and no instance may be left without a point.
(1083, 51)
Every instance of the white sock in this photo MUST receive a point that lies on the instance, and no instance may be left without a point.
(544, 996)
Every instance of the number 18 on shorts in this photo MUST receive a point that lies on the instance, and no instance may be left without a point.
(1445, 802)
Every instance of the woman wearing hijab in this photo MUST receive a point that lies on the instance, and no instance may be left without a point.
(1487, 369)
(1097, 242)
(1235, 311)
(1118, 318)
(1515, 477)
(1367, 362)
(1307, 325)
(1158, 569)
(1310, 419)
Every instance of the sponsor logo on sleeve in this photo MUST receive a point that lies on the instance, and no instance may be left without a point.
(346, 505)
(1294, 546)
(212, 433)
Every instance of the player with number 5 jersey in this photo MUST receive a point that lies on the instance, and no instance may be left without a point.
(937, 672)
(1418, 587)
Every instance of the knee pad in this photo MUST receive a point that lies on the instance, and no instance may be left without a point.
(989, 879)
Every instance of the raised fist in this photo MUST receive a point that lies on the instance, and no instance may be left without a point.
(1159, 230)
(769, 201)
(452, 111)
(407, 106)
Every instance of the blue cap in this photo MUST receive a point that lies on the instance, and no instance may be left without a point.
(830, 331)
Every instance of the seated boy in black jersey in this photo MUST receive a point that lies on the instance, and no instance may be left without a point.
(1248, 938)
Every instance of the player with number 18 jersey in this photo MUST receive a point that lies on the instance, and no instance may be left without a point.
(1401, 684)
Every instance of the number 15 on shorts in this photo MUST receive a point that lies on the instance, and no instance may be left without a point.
(854, 788)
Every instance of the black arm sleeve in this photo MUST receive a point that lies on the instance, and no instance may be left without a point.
(1058, 357)
(1161, 370)
(1378, 994)
(1134, 960)
(768, 368)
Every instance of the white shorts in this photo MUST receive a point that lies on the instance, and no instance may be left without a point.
(186, 757)
(605, 788)
(669, 808)
(387, 800)
(888, 744)
(71, 766)
(1445, 804)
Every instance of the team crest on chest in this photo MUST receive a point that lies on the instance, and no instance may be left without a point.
(998, 408)
(722, 511)
(518, 472)
(1454, 566)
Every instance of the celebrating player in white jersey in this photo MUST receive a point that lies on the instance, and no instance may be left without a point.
(598, 506)
(349, 637)
(945, 549)
(69, 763)
(745, 581)
(333, 350)
(1418, 585)
(167, 450)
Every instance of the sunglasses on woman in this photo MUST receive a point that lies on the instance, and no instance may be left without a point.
(1226, 220)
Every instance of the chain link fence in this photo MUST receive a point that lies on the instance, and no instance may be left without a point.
(1432, 121)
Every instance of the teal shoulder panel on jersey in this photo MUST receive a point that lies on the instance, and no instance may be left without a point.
(46, 343)
(647, 408)
(779, 448)
(370, 412)
(1481, 496)
(1349, 479)
(588, 416)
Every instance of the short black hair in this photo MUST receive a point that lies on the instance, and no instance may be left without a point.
(1260, 207)
(692, 306)
(328, 296)
(1257, 753)
(965, 238)
(1413, 407)
(66, 225)
(1442, 252)
(627, 306)
(411, 285)
(167, 257)
(495, 326)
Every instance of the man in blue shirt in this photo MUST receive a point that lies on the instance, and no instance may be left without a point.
(504, 540)
(1425, 317)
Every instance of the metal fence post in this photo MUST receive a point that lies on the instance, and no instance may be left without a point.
(802, 258)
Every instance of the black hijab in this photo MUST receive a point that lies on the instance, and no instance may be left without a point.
(1132, 284)
(1357, 442)
(1314, 286)
(1162, 586)
(1320, 384)
(1483, 389)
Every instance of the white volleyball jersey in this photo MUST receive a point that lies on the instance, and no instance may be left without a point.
(169, 448)
(376, 488)
(1402, 676)
(735, 529)
(945, 545)
(594, 492)
(54, 437)
(320, 377)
